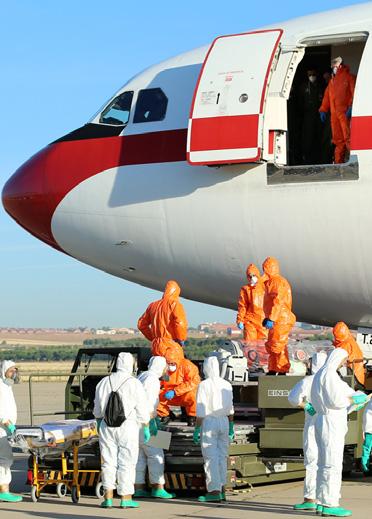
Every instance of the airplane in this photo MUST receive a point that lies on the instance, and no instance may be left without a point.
(189, 172)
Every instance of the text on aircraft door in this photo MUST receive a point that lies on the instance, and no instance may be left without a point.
(226, 114)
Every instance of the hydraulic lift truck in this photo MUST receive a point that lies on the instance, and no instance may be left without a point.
(268, 443)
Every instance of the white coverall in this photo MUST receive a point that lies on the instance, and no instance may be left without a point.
(8, 412)
(119, 445)
(330, 397)
(299, 394)
(214, 403)
(151, 456)
(367, 418)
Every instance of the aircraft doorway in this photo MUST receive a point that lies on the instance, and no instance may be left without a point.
(309, 140)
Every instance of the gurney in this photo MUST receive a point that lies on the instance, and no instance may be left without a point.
(57, 439)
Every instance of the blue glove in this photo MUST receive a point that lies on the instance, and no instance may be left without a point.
(241, 326)
(99, 423)
(196, 435)
(323, 116)
(169, 394)
(153, 427)
(146, 434)
(268, 323)
(348, 112)
(10, 429)
(231, 431)
(309, 409)
(359, 398)
(181, 343)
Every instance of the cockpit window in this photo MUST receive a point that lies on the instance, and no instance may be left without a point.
(151, 106)
(117, 112)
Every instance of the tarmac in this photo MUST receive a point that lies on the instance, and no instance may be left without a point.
(261, 502)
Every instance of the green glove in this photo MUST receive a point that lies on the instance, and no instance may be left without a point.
(10, 428)
(146, 434)
(159, 423)
(196, 435)
(153, 427)
(367, 446)
(99, 423)
(308, 408)
(360, 398)
(231, 431)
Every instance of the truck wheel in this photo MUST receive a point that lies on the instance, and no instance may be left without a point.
(99, 490)
(35, 496)
(75, 495)
(61, 490)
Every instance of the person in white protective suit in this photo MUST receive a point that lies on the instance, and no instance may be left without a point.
(300, 396)
(367, 436)
(119, 445)
(331, 397)
(8, 419)
(215, 426)
(151, 457)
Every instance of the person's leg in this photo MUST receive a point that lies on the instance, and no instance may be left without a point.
(223, 451)
(250, 332)
(109, 462)
(276, 345)
(310, 461)
(155, 463)
(128, 446)
(367, 446)
(140, 483)
(188, 401)
(338, 139)
(163, 407)
(210, 453)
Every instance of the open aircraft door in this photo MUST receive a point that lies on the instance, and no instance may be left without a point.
(225, 124)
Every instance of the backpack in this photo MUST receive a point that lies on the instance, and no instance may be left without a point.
(114, 412)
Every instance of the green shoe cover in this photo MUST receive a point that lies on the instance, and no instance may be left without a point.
(10, 498)
(223, 496)
(107, 503)
(305, 506)
(335, 511)
(319, 509)
(209, 498)
(142, 493)
(128, 503)
(163, 494)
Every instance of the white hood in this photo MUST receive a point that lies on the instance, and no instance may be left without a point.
(125, 363)
(211, 368)
(317, 361)
(157, 366)
(5, 365)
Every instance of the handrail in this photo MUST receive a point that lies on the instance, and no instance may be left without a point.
(59, 374)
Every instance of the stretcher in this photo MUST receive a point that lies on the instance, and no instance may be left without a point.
(60, 440)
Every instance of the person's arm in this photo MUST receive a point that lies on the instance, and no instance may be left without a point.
(180, 322)
(352, 81)
(142, 406)
(298, 394)
(98, 408)
(325, 106)
(144, 325)
(191, 380)
(242, 307)
(278, 294)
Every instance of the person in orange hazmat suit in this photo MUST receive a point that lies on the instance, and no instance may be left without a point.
(338, 99)
(279, 318)
(344, 339)
(164, 321)
(250, 306)
(180, 389)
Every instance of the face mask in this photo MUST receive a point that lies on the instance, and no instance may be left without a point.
(335, 69)
(312, 79)
(172, 368)
(16, 378)
(253, 281)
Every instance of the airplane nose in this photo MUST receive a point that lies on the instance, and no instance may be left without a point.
(26, 198)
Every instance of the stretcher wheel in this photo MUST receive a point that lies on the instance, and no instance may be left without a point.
(75, 495)
(61, 490)
(35, 496)
(99, 490)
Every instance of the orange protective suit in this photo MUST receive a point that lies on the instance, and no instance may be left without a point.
(338, 98)
(250, 307)
(344, 339)
(277, 308)
(184, 382)
(164, 321)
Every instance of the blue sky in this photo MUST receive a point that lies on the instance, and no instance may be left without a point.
(60, 61)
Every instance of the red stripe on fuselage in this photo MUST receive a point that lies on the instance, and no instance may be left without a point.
(361, 133)
(33, 193)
